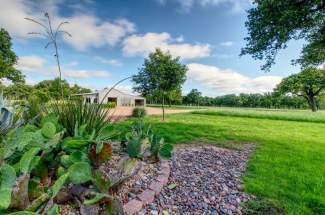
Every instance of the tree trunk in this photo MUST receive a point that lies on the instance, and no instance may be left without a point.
(312, 103)
(163, 107)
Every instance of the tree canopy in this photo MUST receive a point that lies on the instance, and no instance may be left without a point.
(272, 24)
(160, 75)
(193, 97)
(308, 84)
(8, 59)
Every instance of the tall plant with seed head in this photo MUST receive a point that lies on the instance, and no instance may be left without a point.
(51, 34)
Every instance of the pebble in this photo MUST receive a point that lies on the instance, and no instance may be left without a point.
(208, 182)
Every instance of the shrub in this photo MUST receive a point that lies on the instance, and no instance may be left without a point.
(92, 116)
(109, 105)
(139, 112)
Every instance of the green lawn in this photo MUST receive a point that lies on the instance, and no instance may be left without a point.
(288, 165)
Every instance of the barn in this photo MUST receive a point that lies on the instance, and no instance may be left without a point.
(118, 97)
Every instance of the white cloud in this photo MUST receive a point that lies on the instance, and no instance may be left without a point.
(112, 62)
(226, 81)
(234, 5)
(35, 64)
(87, 30)
(144, 44)
(82, 74)
(30, 63)
(227, 43)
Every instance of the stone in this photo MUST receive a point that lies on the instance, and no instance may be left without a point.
(146, 196)
(156, 187)
(163, 179)
(132, 207)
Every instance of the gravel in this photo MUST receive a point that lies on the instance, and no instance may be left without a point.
(207, 181)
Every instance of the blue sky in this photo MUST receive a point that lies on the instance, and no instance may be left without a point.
(111, 38)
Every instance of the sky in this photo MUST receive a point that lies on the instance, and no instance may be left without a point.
(111, 38)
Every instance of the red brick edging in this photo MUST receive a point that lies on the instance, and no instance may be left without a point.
(147, 196)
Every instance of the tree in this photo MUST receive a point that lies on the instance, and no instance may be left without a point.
(272, 24)
(193, 97)
(17, 91)
(160, 75)
(8, 59)
(308, 84)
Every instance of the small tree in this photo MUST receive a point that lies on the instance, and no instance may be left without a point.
(8, 59)
(160, 75)
(194, 97)
(308, 84)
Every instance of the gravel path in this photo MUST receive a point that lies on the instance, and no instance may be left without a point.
(207, 181)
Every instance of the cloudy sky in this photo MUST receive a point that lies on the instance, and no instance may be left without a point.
(111, 38)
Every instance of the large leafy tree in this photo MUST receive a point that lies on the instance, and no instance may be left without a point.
(8, 59)
(160, 75)
(308, 84)
(272, 24)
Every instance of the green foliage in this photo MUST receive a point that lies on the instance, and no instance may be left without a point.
(54, 210)
(79, 172)
(272, 24)
(308, 84)
(193, 97)
(166, 150)
(8, 178)
(134, 146)
(160, 75)
(262, 207)
(8, 59)
(26, 160)
(71, 113)
(49, 130)
(109, 105)
(59, 184)
(98, 197)
(71, 143)
(139, 112)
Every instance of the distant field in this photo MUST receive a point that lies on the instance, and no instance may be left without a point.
(275, 114)
(288, 166)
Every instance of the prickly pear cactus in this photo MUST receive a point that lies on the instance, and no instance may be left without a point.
(48, 130)
(8, 178)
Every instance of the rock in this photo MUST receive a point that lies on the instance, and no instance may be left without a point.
(89, 210)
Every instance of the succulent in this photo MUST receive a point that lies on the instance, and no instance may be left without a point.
(48, 130)
(80, 173)
(8, 179)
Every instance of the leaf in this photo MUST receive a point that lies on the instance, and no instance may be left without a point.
(99, 147)
(172, 186)
(27, 158)
(59, 184)
(166, 151)
(79, 172)
(101, 182)
(48, 130)
(74, 143)
(8, 178)
(54, 210)
(34, 162)
(98, 197)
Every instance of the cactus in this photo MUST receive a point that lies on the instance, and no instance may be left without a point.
(8, 178)
(48, 130)
(79, 173)
(59, 184)
(26, 160)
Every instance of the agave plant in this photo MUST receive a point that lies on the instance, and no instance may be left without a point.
(10, 116)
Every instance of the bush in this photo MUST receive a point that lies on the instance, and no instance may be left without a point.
(139, 112)
(109, 105)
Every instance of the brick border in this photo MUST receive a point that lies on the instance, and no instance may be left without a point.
(147, 196)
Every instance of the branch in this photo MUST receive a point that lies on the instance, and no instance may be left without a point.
(64, 32)
(59, 26)
(32, 20)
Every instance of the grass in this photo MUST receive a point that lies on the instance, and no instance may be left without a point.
(288, 166)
